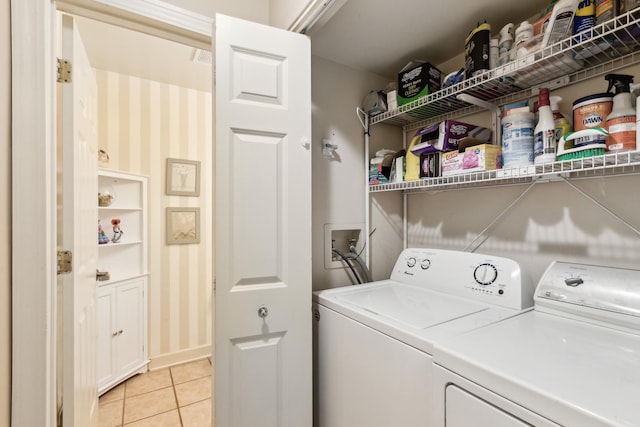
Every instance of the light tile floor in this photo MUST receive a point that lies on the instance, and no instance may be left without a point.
(178, 396)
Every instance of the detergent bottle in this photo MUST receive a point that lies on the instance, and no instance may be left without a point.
(544, 135)
(621, 122)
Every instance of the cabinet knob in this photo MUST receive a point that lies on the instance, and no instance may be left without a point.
(120, 332)
(115, 334)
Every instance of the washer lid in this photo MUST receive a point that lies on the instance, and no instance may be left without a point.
(413, 307)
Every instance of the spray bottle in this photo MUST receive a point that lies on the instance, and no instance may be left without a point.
(621, 122)
(544, 135)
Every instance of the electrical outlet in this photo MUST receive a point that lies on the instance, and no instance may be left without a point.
(341, 237)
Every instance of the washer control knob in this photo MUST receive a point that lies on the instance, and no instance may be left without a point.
(485, 274)
(411, 262)
(425, 263)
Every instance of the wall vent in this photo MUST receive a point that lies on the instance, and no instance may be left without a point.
(202, 56)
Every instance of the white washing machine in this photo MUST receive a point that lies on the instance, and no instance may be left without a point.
(572, 361)
(373, 342)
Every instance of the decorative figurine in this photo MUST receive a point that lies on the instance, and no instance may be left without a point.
(117, 232)
(102, 237)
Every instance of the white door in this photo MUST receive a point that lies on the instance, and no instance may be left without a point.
(263, 226)
(79, 234)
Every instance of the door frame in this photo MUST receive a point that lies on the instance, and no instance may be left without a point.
(34, 209)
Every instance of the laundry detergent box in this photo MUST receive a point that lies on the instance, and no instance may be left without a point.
(417, 79)
(477, 158)
(445, 136)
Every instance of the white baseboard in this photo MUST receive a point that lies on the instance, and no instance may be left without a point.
(182, 356)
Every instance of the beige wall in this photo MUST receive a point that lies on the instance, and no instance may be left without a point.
(141, 124)
(5, 213)
(339, 184)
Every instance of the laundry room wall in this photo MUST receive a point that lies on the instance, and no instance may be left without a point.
(141, 124)
(5, 213)
(339, 182)
(554, 220)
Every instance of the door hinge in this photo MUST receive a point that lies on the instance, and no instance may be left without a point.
(65, 262)
(64, 71)
(60, 417)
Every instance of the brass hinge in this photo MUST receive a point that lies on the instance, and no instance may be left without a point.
(65, 262)
(64, 71)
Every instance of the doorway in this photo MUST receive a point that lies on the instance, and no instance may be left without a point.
(154, 104)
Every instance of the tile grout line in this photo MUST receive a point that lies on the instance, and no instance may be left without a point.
(175, 395)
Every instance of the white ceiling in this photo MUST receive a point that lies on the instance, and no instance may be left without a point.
(378, 36)
(113, 48)
(381, 36)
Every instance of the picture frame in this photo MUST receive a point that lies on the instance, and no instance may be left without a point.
(183, 177)
(183, 225)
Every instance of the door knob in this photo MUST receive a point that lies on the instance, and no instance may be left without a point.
(263, 312)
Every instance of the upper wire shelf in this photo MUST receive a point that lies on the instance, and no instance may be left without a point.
(613, 44)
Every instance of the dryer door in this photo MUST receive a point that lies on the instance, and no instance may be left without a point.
(464, 409)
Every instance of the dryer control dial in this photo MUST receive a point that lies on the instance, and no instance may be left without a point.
(411, 262)
(425, 263)
(485, 274)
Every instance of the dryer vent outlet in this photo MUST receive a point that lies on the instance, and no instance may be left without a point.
(342, 237)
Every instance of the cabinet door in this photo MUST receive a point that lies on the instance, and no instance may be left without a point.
(130, 315)
(106, 337)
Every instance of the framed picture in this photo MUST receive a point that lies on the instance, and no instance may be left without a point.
(183, 177)
(183, 225)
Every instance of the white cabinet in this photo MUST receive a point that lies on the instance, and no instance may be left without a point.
(122, 298)
(121, 331)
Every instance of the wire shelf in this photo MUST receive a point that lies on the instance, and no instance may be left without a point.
(604, 165)
(611, 45)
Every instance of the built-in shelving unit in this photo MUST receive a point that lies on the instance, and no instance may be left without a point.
(121, 300)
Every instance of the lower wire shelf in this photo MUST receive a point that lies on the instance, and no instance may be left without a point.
(611, 164)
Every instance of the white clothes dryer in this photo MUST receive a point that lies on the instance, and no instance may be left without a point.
(572, 361)
(373, 342)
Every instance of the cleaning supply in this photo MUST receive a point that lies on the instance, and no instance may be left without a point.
(476, 50)
(517, 137)
(559, 26)
(583, 151)
(589, 112)
(544, 145)
(562, 125)
(621, 123)
(584, 20)
(606, 10)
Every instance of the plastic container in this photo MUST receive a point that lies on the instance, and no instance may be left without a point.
(494, 53)
(589, 112)
(562, 124)
(523, 33)
(544, 145)
(559, 26)
(517, 137)
(476, 51)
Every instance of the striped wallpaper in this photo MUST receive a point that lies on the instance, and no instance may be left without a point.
(141, 124)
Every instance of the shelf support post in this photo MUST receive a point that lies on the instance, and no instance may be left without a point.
(496, 114)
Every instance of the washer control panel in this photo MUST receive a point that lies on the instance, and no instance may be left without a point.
(488, 278)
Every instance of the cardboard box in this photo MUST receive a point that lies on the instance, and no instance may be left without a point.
(446, 135)
(478, 158)
(417, 80)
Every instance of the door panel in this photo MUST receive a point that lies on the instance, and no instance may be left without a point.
(79, 212)
(263, 226)
(129, 326)
(105, 304)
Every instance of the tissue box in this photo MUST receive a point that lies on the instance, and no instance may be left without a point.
(417, 80)
(478, 158)
(446, 135)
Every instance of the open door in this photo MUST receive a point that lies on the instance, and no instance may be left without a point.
(263, 226)
(79, 234)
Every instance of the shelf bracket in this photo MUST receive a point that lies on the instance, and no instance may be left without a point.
(496, 114)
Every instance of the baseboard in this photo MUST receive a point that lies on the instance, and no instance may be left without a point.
(182, 356)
